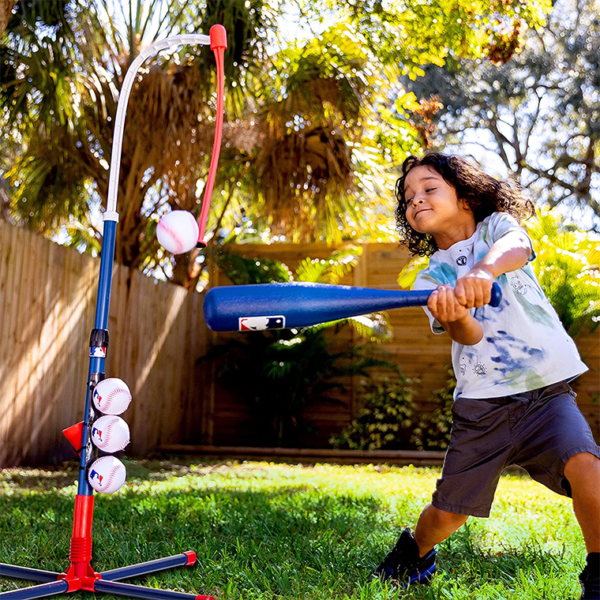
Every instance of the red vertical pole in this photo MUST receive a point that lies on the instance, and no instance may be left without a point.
(218, 44)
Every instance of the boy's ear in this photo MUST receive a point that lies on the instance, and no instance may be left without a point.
(464, 204)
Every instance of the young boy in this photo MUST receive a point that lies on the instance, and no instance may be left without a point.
(513, 403)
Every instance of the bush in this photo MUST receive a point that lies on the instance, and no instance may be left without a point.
(433, 431)
(386, 419)
(389, 419)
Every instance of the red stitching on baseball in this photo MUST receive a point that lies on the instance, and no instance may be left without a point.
(110, 396)
(110, 426)
(174, 237)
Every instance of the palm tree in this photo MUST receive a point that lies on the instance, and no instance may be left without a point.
(60, 94)
(6, 7)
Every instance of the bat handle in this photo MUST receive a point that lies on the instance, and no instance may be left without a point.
(496, 296)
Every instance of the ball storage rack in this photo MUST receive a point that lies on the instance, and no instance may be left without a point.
(80, 574)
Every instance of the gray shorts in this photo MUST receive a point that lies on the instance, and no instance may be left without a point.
(538, 430)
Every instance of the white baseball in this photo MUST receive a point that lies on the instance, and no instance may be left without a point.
(107, 474)
(177, 231)
(110, 433)
(112, 396)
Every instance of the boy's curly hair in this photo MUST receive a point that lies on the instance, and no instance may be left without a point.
(482, 193)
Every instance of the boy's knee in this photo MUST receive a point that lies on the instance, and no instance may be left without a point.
(582, 463)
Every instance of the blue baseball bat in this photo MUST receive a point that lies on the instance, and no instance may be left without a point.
(286, 305)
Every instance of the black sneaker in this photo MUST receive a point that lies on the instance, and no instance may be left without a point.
(590, 585)
(403, 564)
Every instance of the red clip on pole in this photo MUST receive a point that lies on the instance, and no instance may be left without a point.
(218, 43)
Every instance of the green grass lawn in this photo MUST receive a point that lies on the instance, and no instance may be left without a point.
(274, 531)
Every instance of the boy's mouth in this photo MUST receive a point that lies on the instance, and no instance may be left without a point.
(421, 211)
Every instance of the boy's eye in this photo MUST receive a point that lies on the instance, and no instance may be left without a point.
(409, 200)
(430, 189)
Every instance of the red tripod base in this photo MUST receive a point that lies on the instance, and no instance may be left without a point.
(81, 576)
(62, 583)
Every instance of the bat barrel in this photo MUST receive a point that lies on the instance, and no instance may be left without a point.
(285, 305)
(298, 304)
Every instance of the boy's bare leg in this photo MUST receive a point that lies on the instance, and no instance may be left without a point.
(583, 472)
(434, 526)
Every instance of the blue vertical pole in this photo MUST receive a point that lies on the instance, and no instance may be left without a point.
(98, 353)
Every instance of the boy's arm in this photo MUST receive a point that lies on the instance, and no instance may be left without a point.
(454, 317)
(509, 253)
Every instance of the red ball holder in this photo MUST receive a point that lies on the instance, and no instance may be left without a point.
(80, 575)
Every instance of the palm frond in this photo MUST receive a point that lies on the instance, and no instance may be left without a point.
(408, 275)
(242, 270)
(330, 270)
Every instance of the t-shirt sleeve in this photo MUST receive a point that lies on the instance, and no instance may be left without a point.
(502, 223)
(425, 281)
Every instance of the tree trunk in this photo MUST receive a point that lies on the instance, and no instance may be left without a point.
(6, 7)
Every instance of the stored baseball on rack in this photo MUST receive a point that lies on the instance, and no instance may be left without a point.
(112, 396)
(107, 474)
(110, 433)
(178, 231)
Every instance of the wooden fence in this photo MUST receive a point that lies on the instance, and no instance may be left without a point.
(47, 308)
(157, 335)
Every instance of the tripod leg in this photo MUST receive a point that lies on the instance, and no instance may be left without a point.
(37, 591)
(149, 567)
(27, 573)
(137, 591)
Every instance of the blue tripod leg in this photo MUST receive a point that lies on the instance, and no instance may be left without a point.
(37, 591)
(137, 591)
(27, 573)
(149, 567)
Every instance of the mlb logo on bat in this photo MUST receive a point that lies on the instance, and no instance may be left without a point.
(261, 323)
(97, 352)
(95, 475)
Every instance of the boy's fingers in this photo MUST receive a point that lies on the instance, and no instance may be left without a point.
(432, 303)
(459, 292)
(446, 302)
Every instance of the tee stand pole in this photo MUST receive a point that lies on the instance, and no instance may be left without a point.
(80, 575)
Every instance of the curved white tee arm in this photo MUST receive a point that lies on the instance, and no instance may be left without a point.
(115, 159)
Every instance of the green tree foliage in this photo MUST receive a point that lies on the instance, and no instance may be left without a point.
(568, 269)
(540, 113)
(314, 129)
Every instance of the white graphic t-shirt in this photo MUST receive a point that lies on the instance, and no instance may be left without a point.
(524, 344)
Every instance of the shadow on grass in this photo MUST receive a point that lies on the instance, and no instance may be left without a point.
(66, 474)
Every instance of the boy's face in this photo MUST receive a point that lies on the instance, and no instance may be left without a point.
(432, 205)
